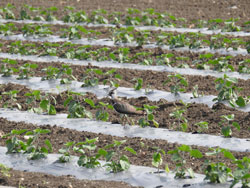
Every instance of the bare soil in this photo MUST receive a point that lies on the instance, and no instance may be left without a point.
(194, 113)
(37, 180)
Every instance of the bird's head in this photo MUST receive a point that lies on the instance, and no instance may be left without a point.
(112, 92)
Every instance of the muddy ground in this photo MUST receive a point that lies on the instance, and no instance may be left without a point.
(194, 112)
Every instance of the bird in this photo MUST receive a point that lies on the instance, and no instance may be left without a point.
(122, 107)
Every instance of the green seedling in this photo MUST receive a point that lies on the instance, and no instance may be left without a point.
(65, 73)
(241, 174)
(179, 157)
(244, 66)
(196, 93)
(115, 162)
(122, 55)
(149, 117)
(48, 13)
(226, 123)
(6, 70)
(139, 83)
(218, 172)
(97, 17)
(87, 158)
(74, 17)
(111, 78)
(32, 99)
(122, 35)
(177, 82)
(102, 113)
(7, 29)
(36, 30)
(90, 79)
(31, 146)
(178, 113)
(202, 126)
(51, 73)
(157, 158)
(7, 11)
(25, 71)
(11, 103)
(4, 170)
(46, 105)
(75, 107)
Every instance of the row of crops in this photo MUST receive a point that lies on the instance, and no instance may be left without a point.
(193, 86)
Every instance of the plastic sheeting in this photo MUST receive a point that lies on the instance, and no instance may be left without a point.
(234, 144)
(136, 175)
(112, 64)
(108, 42)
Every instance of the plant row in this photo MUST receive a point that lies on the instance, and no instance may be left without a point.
(28, 142)
(226, 86)
(78, 105)
(134, 17)
(68, 50)
(130, 34)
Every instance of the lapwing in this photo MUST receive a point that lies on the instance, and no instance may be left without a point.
(122, 107)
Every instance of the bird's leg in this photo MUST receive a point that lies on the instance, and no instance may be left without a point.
(122, 119)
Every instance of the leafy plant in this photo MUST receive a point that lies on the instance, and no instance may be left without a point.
(87, 158)
(102, 113)
(31, 146)
(138, 85)
(179, 157)
(26, 70)
(178, 113)
(75, 107)
(157, 158)
(146, 121)
(6, 70)
(226, 123)
(51, 73)
(115, 162)
(32, 99)
(5, 171)
(178, 82)
(65, 157)
(13, 98)
(47, 106)
(202, 126)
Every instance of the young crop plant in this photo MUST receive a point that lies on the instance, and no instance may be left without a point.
(75, 106)
(65, 73)
(221, 64)
(65, 151)
(226, 123)
(6, 69)
(218, 172)
(47, 106)
(7, 29)
(97, 17)
(122, 35)
(241, 174)
(90, 79)
(149, 116)
(7, 13)
(122, 55)
(111, 78)
(102, 113)
(177, 82)
(87, 158)
(157, 158)
(32, 99)
(4, 170)
(196, 93)
(178, 114)
(32, 146)
(139, 83)
(244, 66)
(11, 103)
(36, 30)
(202, 126)
(48, 13)
(229, 92)
(115, 161)
(51, 73)
(74, 17)
(180, 156)
(25, 71)
(142, 37)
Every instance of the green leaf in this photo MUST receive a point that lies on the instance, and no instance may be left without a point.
(229, 155)
(167, 168)
(47, 142)
(184, 148)
(196, 153)
(241, 102)
(90, 102)
(236, 125)
(131, 150)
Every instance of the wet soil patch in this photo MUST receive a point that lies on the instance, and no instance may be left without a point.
(194, 113)
(135, 55)
(37, 180)
(144, 147)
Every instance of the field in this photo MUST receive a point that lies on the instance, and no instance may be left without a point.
(184, 65)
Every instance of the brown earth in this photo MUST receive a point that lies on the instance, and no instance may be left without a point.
(194, 112)
(151, 79)
(190, 10)
(179, 59)
(144, 147)
(37, 180)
